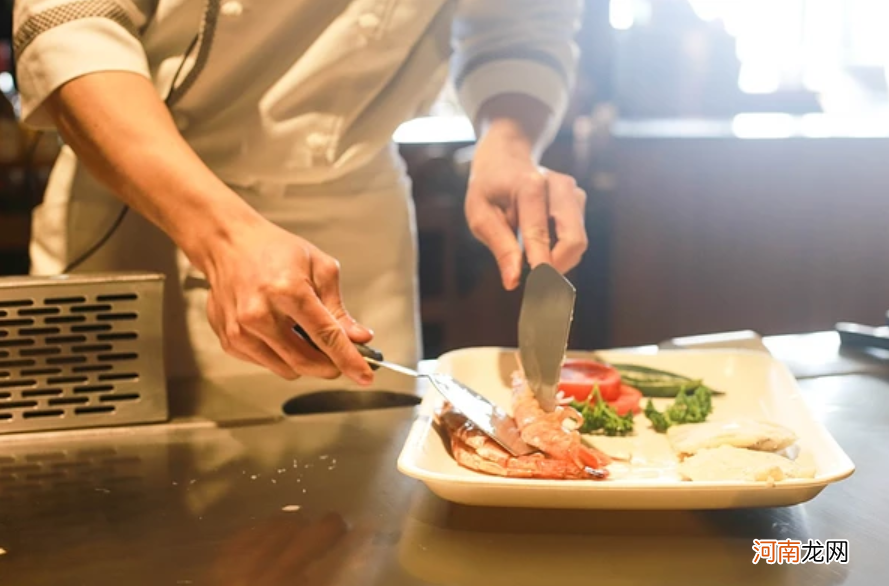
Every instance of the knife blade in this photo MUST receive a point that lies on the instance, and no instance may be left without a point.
(545, 319)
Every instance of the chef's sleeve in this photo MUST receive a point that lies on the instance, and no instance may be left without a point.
(56, 41)
(516, 46)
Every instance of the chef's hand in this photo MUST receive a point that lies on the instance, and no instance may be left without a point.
(279, 551)
(263, 280)
(509, 192)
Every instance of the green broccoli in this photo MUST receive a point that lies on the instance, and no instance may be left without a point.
(692, 408)
(600, 416)
(658, 420)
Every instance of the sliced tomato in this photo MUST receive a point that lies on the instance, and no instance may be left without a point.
(629, 399)
(580, 376)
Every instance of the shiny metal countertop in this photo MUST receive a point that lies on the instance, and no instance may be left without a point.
(261, 498)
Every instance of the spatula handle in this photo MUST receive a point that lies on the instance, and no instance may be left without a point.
(363, 349)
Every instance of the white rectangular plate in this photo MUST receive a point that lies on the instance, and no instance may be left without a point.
(755, 384)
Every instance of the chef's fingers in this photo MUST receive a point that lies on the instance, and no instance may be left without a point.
(490, 225)
(217, 321)
(326, 276)
(355, 549)
(243, 560)
(275, 331)
(567, 205)
(298, 551)
(306, 309)
(243, 344)
(533, 212)
(512, 217)
(240, 344)
(261, 536)
(297, 352)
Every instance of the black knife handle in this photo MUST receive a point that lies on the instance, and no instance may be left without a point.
(364, 350)
(861, 336)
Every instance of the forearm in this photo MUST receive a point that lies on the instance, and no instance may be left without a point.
(123, 133)
(518, 122)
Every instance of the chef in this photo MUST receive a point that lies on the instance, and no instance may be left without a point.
(244, 149)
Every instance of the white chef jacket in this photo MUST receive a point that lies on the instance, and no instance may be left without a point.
(286, 100)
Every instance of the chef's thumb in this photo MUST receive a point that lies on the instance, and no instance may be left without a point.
(356, 332)
(326, 277)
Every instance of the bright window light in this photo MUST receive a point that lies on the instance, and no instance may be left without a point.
(622, 14)
(799, 43)
(763, 126)
(6, 83)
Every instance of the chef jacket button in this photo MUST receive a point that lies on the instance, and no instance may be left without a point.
(368, 21)
(316, 141)
(232, 9)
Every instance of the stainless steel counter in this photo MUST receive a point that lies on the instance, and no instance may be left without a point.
(237, 493)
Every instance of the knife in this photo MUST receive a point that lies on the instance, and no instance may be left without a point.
(485, 415)
(545, 319)
(862, 336)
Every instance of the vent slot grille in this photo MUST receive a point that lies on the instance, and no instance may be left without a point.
(80, 354)
(39, 311)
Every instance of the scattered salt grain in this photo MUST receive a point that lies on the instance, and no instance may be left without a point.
(323, 457)
(192, 481)
(274, 481)
(2, 551)
(253, 477)
(291, 508)
(304, 490)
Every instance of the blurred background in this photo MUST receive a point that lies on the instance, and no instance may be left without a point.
(736, 157)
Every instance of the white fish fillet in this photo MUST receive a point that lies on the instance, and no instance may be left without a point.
(730, 463)
(689, 438)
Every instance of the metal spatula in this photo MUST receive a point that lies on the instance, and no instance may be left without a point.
(544, 324)
(487, 416)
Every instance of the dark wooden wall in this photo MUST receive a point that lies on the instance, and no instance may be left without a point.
(724, 234)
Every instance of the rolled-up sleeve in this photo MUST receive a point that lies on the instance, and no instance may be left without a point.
(516, 46)
(55, 41)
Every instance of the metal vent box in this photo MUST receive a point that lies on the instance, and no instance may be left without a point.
(80, 351)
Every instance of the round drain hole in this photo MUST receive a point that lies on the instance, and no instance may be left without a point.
(344, 401)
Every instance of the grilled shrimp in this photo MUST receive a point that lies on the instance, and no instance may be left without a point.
(547, 431)
(474, 450)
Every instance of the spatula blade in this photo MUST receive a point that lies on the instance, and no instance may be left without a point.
(544, 325)
(487, 416)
